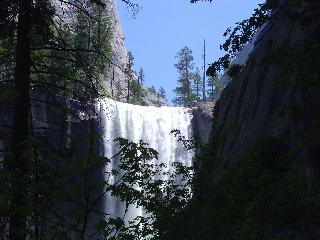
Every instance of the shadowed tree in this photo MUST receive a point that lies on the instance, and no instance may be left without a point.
(48, 187)
(36, 58)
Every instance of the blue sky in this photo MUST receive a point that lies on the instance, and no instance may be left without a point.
(163, 27)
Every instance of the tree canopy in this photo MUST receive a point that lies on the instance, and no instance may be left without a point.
(184, 92)
(51, 61)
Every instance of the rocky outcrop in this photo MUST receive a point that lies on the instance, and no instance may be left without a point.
(152, 99)
(277, 94)
(116, 82)
(202, 120)
(259, 176)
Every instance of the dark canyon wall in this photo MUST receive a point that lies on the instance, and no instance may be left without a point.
(277, 95)
(259, 177)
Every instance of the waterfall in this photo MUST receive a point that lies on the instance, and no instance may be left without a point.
(147, 123)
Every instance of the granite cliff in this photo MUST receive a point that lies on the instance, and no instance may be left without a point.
(277, 94)
(116, 82)
(258, 178)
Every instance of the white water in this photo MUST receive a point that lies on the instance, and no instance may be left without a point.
(153, 126)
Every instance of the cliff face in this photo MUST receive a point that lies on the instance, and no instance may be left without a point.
(259, 177)
(116, 82)
(202, 120)
(119, 56)
(277, 94)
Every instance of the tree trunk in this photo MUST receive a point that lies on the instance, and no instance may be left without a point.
(212, 93)
(18, 164)
(204, 72)
(198, 91)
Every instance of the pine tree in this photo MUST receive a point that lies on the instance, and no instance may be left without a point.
(152, 89)
(93, 39)
(19, 163)
(197, 84)
(162, 93)
(46, 189)
(184, 94)
(40, 59)
(137, 92)
(129, 73)
(119, 91)
(141, 76)
(134, 88)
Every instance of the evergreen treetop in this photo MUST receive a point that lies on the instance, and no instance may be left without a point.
(184, 93)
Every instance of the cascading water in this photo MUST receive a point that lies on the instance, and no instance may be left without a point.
(153, 126)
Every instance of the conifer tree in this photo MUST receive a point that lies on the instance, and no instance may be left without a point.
(197, 84)
(184, 94)
(134, 88)
(210, 83)
(162, 92)
(38, 56)
(46, 188)
(137, 92)
(141, 76)
(152, 89)
(129, 73)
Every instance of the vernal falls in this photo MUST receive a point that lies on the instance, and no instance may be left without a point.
(150, 124)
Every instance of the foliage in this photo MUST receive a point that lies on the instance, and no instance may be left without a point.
(53, 193)
(95, 36)
(184, 94)
(162, 93)
(137, 92)
(240, 35)
(119, 91)
(141, 182)
(141, 76)
(262, 196)
(152, 89)
(129, 74)
(58, 195)
(268, 193)
(216, 87)
(197, 84)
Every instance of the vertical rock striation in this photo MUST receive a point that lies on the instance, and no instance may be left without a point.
(116, 82)
(277, 94)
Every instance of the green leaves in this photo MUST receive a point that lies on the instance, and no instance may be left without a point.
(262, 196)
(184, 92)
(240, 35)
(194, 143)
(142, 181)
(9, 94)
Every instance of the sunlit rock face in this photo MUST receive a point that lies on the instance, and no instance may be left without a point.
(119, 54)
(116, 82)
(147, 123)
